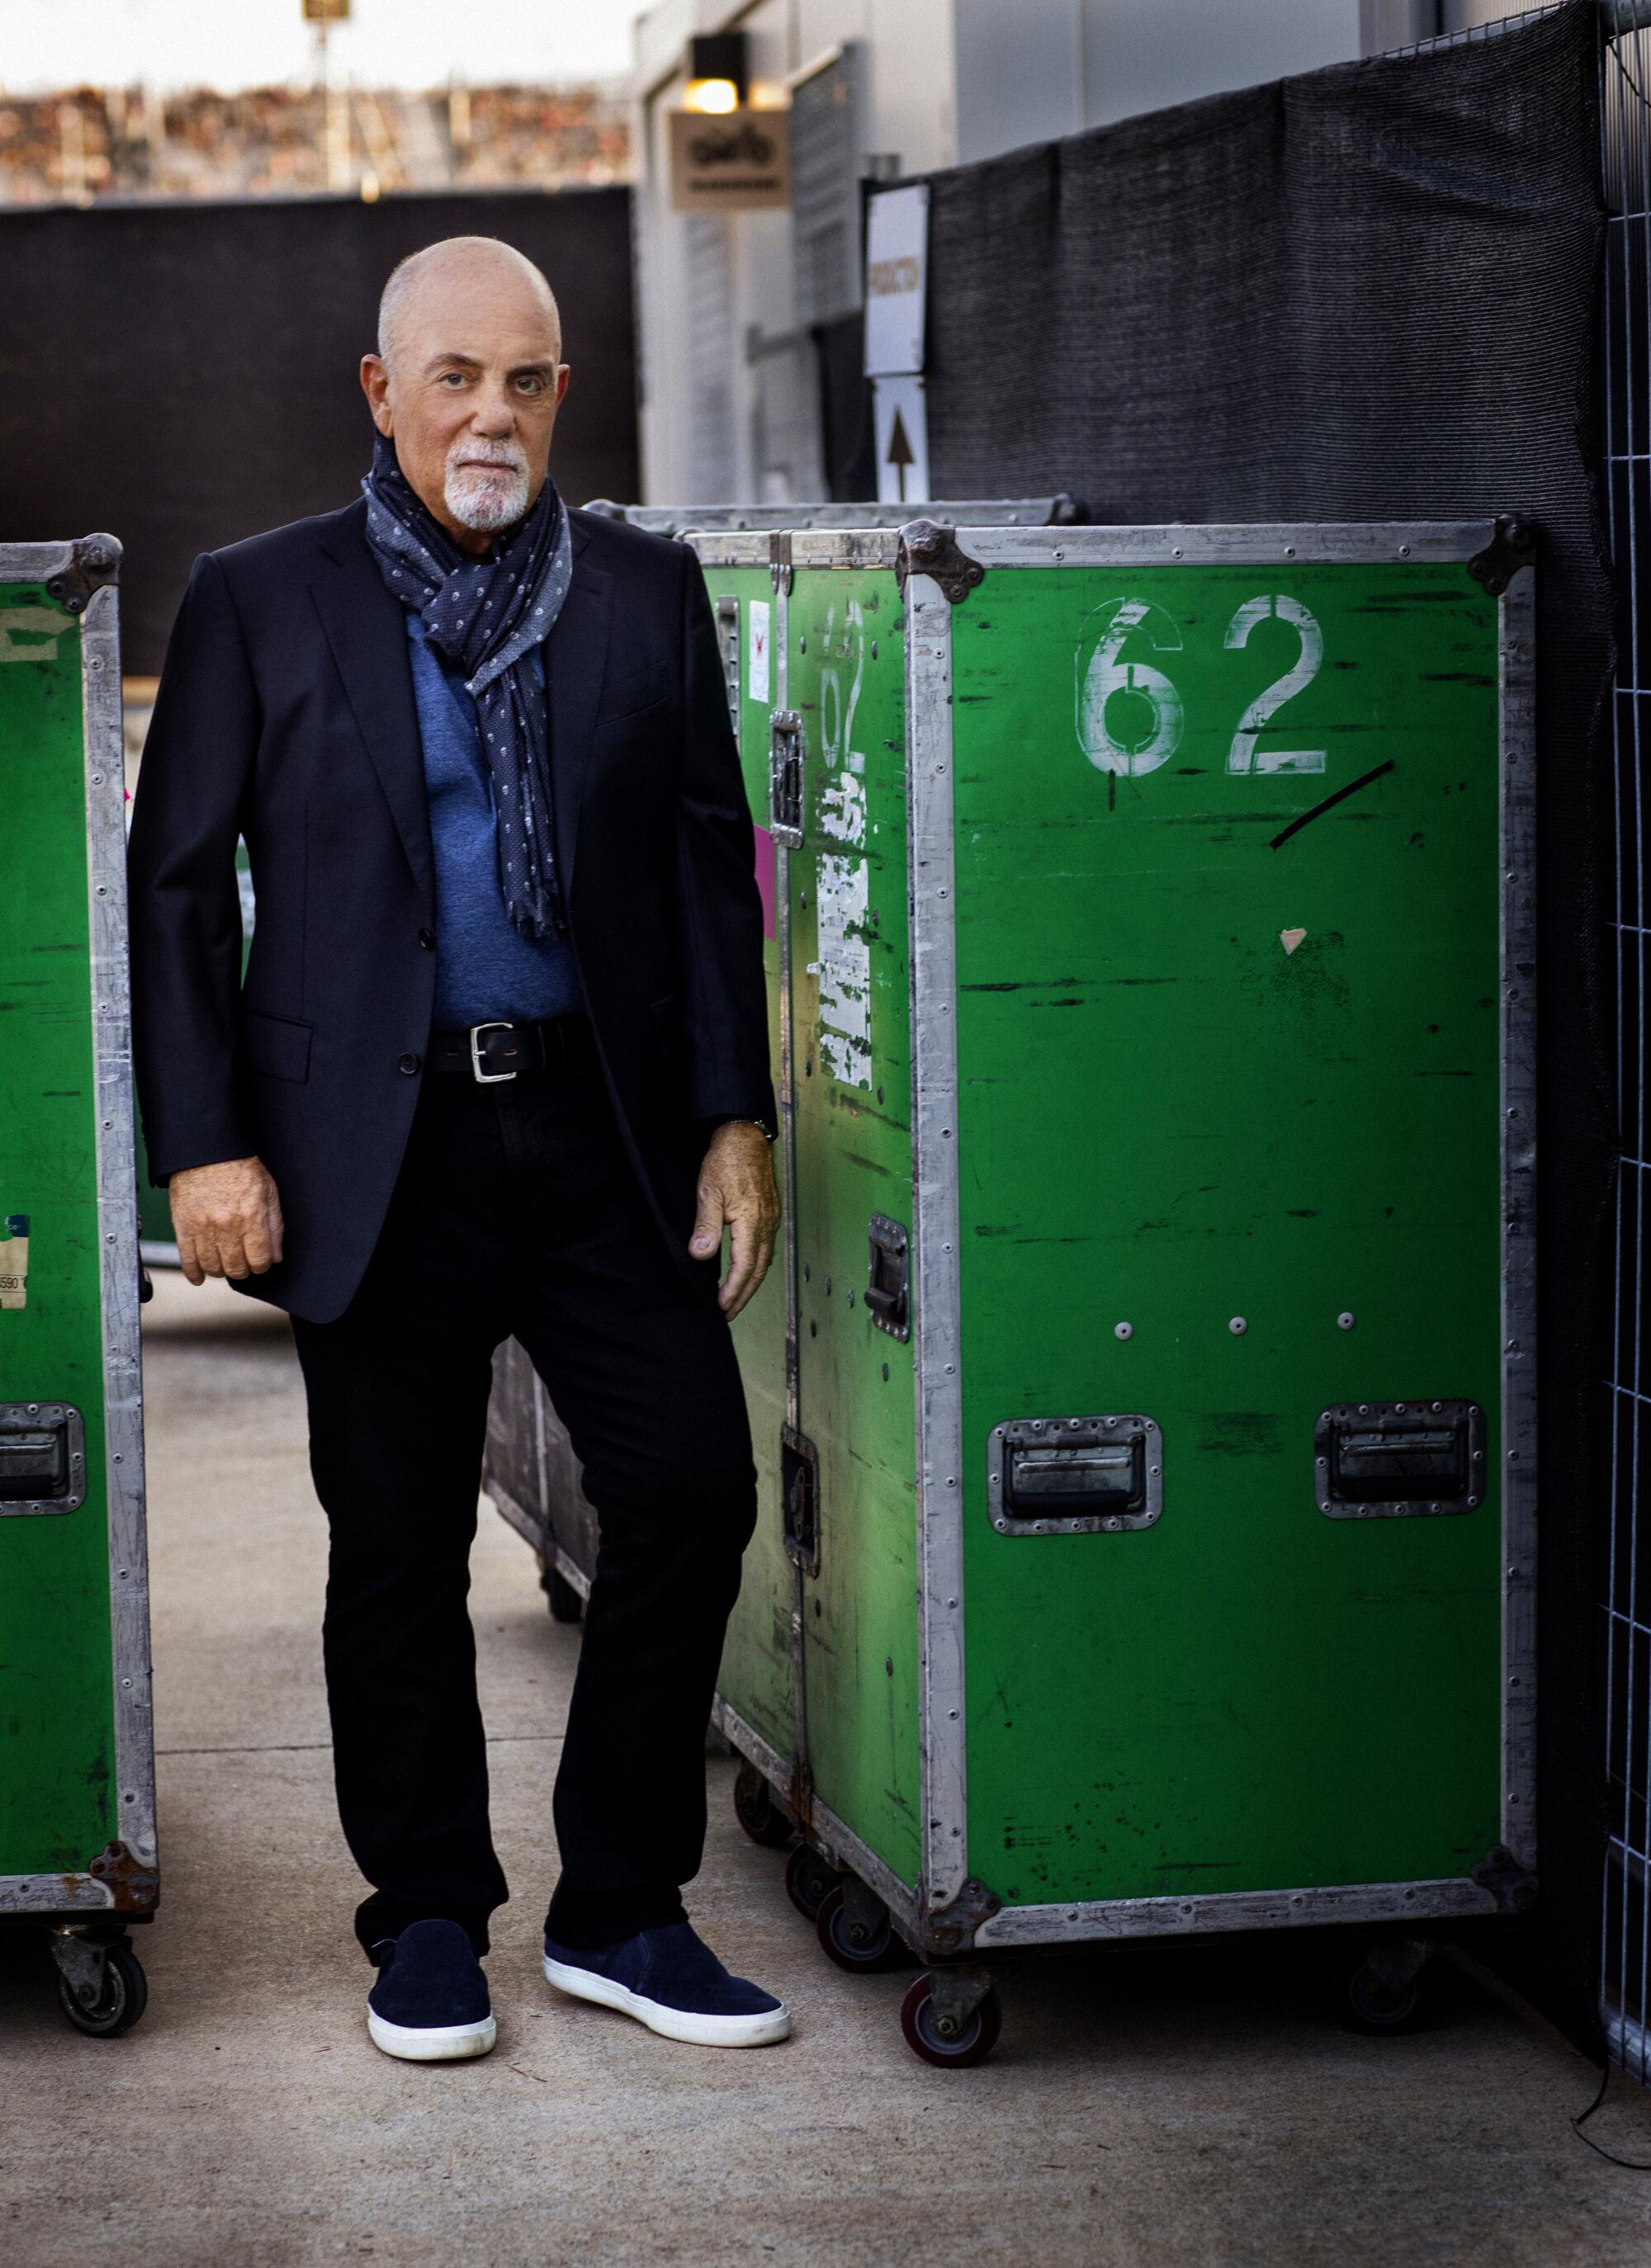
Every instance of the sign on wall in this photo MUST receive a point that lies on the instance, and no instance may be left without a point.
(896, 273)
(737, 162)
(897, 281)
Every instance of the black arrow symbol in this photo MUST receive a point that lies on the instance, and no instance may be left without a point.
(900, 451)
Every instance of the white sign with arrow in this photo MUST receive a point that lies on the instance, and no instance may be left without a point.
(902, 419)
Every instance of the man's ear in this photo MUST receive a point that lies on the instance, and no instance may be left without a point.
(565, 370)
(375, 384)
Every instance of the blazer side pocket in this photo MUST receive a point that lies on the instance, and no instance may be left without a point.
(667, 1029)
(275, 1047)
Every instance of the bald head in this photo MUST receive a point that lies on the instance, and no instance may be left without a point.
(447, 280)
(467, 381)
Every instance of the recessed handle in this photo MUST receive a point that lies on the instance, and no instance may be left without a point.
(42, 1457)
(1075, 1476)
(1393, 1460)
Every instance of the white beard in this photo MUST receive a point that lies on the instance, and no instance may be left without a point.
(481, 500)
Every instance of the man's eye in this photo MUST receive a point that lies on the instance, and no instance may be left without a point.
(531, 385)
(451, 378)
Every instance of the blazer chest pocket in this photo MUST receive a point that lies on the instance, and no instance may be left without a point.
(275, 1047)
(642, 688)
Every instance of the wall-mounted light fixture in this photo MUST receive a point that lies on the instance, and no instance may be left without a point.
(716, 72)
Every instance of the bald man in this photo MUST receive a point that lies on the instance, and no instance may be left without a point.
(499, 1067)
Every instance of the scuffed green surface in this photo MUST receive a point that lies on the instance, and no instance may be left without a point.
(1168, 1118)
(57, 1727)
(756, 1677)
(851, 974)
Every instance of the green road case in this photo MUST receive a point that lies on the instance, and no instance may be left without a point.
(1142, 1390)
(76, 1768)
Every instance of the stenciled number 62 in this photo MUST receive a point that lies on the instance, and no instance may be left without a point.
(1120, 620)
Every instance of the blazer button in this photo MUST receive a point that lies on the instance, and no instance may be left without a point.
(409, 1065)
(427, 940)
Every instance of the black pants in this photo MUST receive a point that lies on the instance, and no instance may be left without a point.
(518, 1213)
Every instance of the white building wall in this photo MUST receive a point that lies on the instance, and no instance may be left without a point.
(1144, 55)
(945, 82)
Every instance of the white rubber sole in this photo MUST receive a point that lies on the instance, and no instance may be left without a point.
(432, 2044)
(670, 2023)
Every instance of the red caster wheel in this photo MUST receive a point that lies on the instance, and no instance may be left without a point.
(809, 1881)
(951, 2040)
(856, 1932)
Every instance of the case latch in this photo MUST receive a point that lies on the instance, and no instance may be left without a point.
(888, 1281)
(784, 777)
(799, 1496)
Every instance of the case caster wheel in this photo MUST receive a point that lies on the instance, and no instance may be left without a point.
(756, 1811)
(102, 1988)
(954, 2028)
(854, 1930)
(566, 1606)
(809, 1881)
(1383, 1991)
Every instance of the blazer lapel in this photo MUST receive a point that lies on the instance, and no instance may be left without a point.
(366, 630)
(576, 654)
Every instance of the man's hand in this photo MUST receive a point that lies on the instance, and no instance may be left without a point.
(736, 1185)
(226, 1219)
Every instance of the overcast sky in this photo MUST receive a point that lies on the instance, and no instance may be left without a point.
(45, 44)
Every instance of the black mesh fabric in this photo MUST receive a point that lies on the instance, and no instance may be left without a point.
(1367, 293)
(184, 375)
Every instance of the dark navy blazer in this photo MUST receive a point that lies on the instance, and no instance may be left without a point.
(285, 714)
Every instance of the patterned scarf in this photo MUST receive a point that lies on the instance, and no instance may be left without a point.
(485, 616)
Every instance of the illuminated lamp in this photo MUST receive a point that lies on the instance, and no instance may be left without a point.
(716, 72)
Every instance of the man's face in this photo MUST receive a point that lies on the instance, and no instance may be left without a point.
(470, 393)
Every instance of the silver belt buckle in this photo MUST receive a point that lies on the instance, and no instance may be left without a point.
(487, 1078)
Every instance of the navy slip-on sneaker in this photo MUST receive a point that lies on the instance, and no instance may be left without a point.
(668, 1980)
(429, 2004)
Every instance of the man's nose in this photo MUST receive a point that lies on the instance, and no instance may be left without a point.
(494, 416)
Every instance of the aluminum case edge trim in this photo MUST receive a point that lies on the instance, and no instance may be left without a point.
(117, 1222)
(937, 1358)
(1237, 543)
(1517, 675)
(1234, 1910)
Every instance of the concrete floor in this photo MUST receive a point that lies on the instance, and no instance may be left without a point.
(1178, 2105)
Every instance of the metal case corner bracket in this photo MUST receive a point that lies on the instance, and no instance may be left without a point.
(951, 1928)
(1513, 545)
(1512, 1885)
(927, 548)
(95, 561)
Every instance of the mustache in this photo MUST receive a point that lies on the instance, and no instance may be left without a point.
(508, 456)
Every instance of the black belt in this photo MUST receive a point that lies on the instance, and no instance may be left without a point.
(492, 1053)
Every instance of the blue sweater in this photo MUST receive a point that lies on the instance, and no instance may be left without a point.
(486, 971)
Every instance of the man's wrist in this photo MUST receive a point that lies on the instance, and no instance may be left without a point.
(769, 1133)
